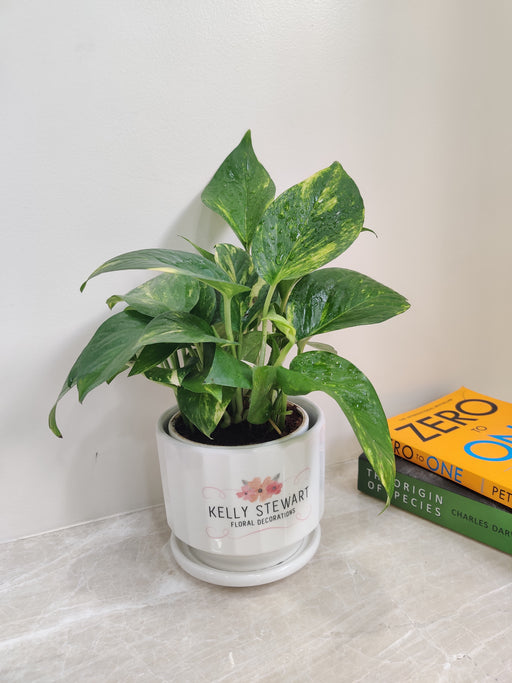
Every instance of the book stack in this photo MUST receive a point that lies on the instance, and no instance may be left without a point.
(453, 466)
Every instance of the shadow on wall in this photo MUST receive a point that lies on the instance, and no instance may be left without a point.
(113, 449)
(107, 462)
(198, 224)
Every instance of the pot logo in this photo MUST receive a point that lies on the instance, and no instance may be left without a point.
(258, 490)
(271, 509)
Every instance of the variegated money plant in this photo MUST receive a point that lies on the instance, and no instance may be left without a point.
(218, 326)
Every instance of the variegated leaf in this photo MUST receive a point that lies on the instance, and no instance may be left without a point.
(308, 226)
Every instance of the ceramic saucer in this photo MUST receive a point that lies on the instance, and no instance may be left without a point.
(221, 577)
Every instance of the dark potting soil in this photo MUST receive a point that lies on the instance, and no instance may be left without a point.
(243, 433)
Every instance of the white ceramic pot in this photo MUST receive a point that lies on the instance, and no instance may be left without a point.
(244, 515)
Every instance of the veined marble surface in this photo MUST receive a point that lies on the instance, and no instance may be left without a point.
(386, 598)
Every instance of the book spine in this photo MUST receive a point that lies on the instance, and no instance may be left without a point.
(449, 470)
(451, 510)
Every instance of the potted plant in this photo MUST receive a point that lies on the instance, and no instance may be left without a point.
(243, 486)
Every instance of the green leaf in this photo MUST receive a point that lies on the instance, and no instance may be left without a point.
(308, 226)
(207, 254)
(165, 292)
(197, 370)
(336, 298)
(227, 371)
(169, 261)
(277, 342)
(206, 306)
(236, 263)
(238, 266)
(250, 346)
(119, 338)
(240, 190)
(252, 315)
(152, 355)
(263, 385)
(179, 328)
(111, 347)
(354, 393)
(167, 376)
(205, 411)
(319, 346)
(195, 384)
(283, 325)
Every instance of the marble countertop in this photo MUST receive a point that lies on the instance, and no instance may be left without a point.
(387, 597)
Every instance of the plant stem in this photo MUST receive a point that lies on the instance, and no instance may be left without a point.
(284, 352)
(237, 400)
(239, 406)
(286, 297)
(228, 325)
(266, 307)
(174, 360)
(300, 345)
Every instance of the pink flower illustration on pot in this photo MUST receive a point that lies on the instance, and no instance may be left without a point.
(247, 493)
(274, 487)
(260, 490)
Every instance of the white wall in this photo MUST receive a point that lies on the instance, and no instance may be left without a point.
(115, 114)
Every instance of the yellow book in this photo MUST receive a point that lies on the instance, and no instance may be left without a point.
(463, 436)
